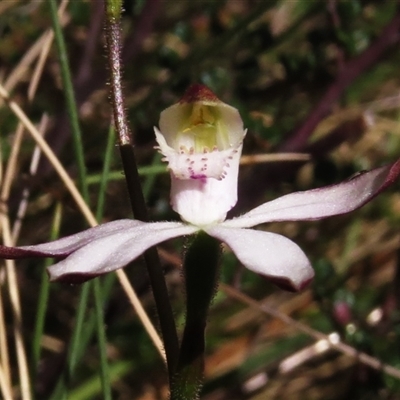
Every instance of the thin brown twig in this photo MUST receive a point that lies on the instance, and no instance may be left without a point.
(337, 345)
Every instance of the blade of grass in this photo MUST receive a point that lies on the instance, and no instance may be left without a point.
(61, 391)
(157, 168)
(85, 338)
(101, 341)
(80, 158)
(75, 344)
(10, 174)
(69, 97)
(146, 171)
(91, 388)
(105, 175)
(80, 203)
(151, 178)
(82, 206)
(97, 289)
(43, 298)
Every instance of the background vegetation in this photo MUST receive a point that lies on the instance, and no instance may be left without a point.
(313, 77)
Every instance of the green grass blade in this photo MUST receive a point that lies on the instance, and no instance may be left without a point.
(148, 184)
(43, 298)
(70, 98)
(92, 387)
(105, 175)
(102, 341)
(146, 171)
(76, 343)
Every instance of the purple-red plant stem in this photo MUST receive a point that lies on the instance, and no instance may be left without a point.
(113, 39)
(157, 280)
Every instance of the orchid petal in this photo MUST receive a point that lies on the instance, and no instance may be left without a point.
(108, 253)
(206, 164)
(322, 202)
(266, 253)
(65, 246)
(205, 200)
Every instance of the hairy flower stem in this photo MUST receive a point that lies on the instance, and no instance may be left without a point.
(201, 273)
(157, 280)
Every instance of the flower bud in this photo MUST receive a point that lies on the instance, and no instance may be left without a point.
(201, 139)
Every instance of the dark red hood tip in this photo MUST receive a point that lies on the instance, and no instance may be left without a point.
(197, 93)
(16, 253)
(286, 284)
(74, 278)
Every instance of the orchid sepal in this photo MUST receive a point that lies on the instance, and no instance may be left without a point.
(268, 254)
(101, 249)
(322, 202)
(113, 245)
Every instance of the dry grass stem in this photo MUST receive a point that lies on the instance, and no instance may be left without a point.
(265, 158)
(71, 188)
(16, 109)
(49, 36)
(141, 313)
(26, 192)
(5, 389)
(335, 344)
(17, 314)
(39, 48)
(10, 271)
(4, 359)
(43, 47)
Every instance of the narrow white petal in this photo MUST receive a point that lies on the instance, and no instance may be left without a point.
(115, 250)
(323, 202)
(266, 253)
(65, 246)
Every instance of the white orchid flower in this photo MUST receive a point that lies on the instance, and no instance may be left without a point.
(201, 139)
